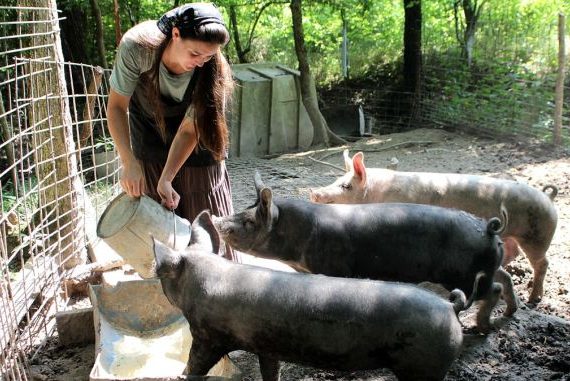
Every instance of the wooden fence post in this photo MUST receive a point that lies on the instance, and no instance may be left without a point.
(559, 96)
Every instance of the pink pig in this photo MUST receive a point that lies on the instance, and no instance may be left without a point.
(532, 216)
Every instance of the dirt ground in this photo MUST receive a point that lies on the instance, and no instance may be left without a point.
(532, 345)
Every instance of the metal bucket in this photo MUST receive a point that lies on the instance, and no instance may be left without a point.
(140, 336)
(126, 226)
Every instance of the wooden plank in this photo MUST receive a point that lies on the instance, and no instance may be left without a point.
(17, 297)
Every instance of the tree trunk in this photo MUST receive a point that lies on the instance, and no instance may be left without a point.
(6, 135)
(471, 12)
(235, 32)
(412, 46)
(559, 94)
(99, 33)
(73, 33)
(89, 110)
(49, 119)
(469, 33)
(118, 32)
(242, 51)
(344, 47)
(322, 133)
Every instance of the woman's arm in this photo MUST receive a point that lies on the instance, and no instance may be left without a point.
(182, 146)
(132, 177)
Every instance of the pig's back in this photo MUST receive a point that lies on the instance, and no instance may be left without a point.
(480, 195)
(391, 241)
(322, 320)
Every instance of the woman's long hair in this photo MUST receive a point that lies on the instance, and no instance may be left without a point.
(211, 94)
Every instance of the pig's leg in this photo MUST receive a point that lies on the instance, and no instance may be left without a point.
(202, 358)
(536, 254)
(486, 307)
(511, 250)
(505, 280)
(539, 263)
(269, 368)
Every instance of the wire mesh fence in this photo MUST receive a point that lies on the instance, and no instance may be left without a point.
(507, 90)
(26, 270)
(58, 167)
(523, 109)
(53, 127)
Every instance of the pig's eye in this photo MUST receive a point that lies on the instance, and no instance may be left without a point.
(346, 186)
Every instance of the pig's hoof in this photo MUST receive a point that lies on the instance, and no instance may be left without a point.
(485, 327)
(485, 330)
(500, 322)
(534, 299)
(510, 311)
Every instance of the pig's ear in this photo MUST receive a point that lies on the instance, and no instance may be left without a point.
(258, 182)
(168, 261)
(204, 221)
(347, 161)
(359, 168)
(265, 208)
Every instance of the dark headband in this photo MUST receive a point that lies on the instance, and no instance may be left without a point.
(189, 17)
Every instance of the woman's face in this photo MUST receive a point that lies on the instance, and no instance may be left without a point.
(186, 54)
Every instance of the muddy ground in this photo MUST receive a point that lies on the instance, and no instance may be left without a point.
(532, 345)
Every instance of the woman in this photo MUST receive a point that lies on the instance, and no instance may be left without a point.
(169, 87)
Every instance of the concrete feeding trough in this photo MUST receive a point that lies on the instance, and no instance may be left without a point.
(140, 336)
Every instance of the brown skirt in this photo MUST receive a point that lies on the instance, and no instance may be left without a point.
(199, 188)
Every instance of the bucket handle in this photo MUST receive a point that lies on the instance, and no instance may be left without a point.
(174, 228)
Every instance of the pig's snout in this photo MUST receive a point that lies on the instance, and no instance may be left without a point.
(217, 221)
(320, 196)
(221, 226)
(314, 195)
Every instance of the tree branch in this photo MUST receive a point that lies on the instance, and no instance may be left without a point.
(254, 24)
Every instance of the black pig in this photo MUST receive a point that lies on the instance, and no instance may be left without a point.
(316, 320)
(390, 241)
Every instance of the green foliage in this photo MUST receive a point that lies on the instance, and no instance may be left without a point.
(104, 144)
(494, 95)
(22, 206)
(509, 89)
(131, 12)
(515, 51)
(519, 31)
(374, 32)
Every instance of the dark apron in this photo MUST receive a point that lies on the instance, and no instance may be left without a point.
(146, 142)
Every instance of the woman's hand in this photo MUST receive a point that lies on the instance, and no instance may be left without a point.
(181, 148)
(170, 198)
(132, 179)
(132, 176)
